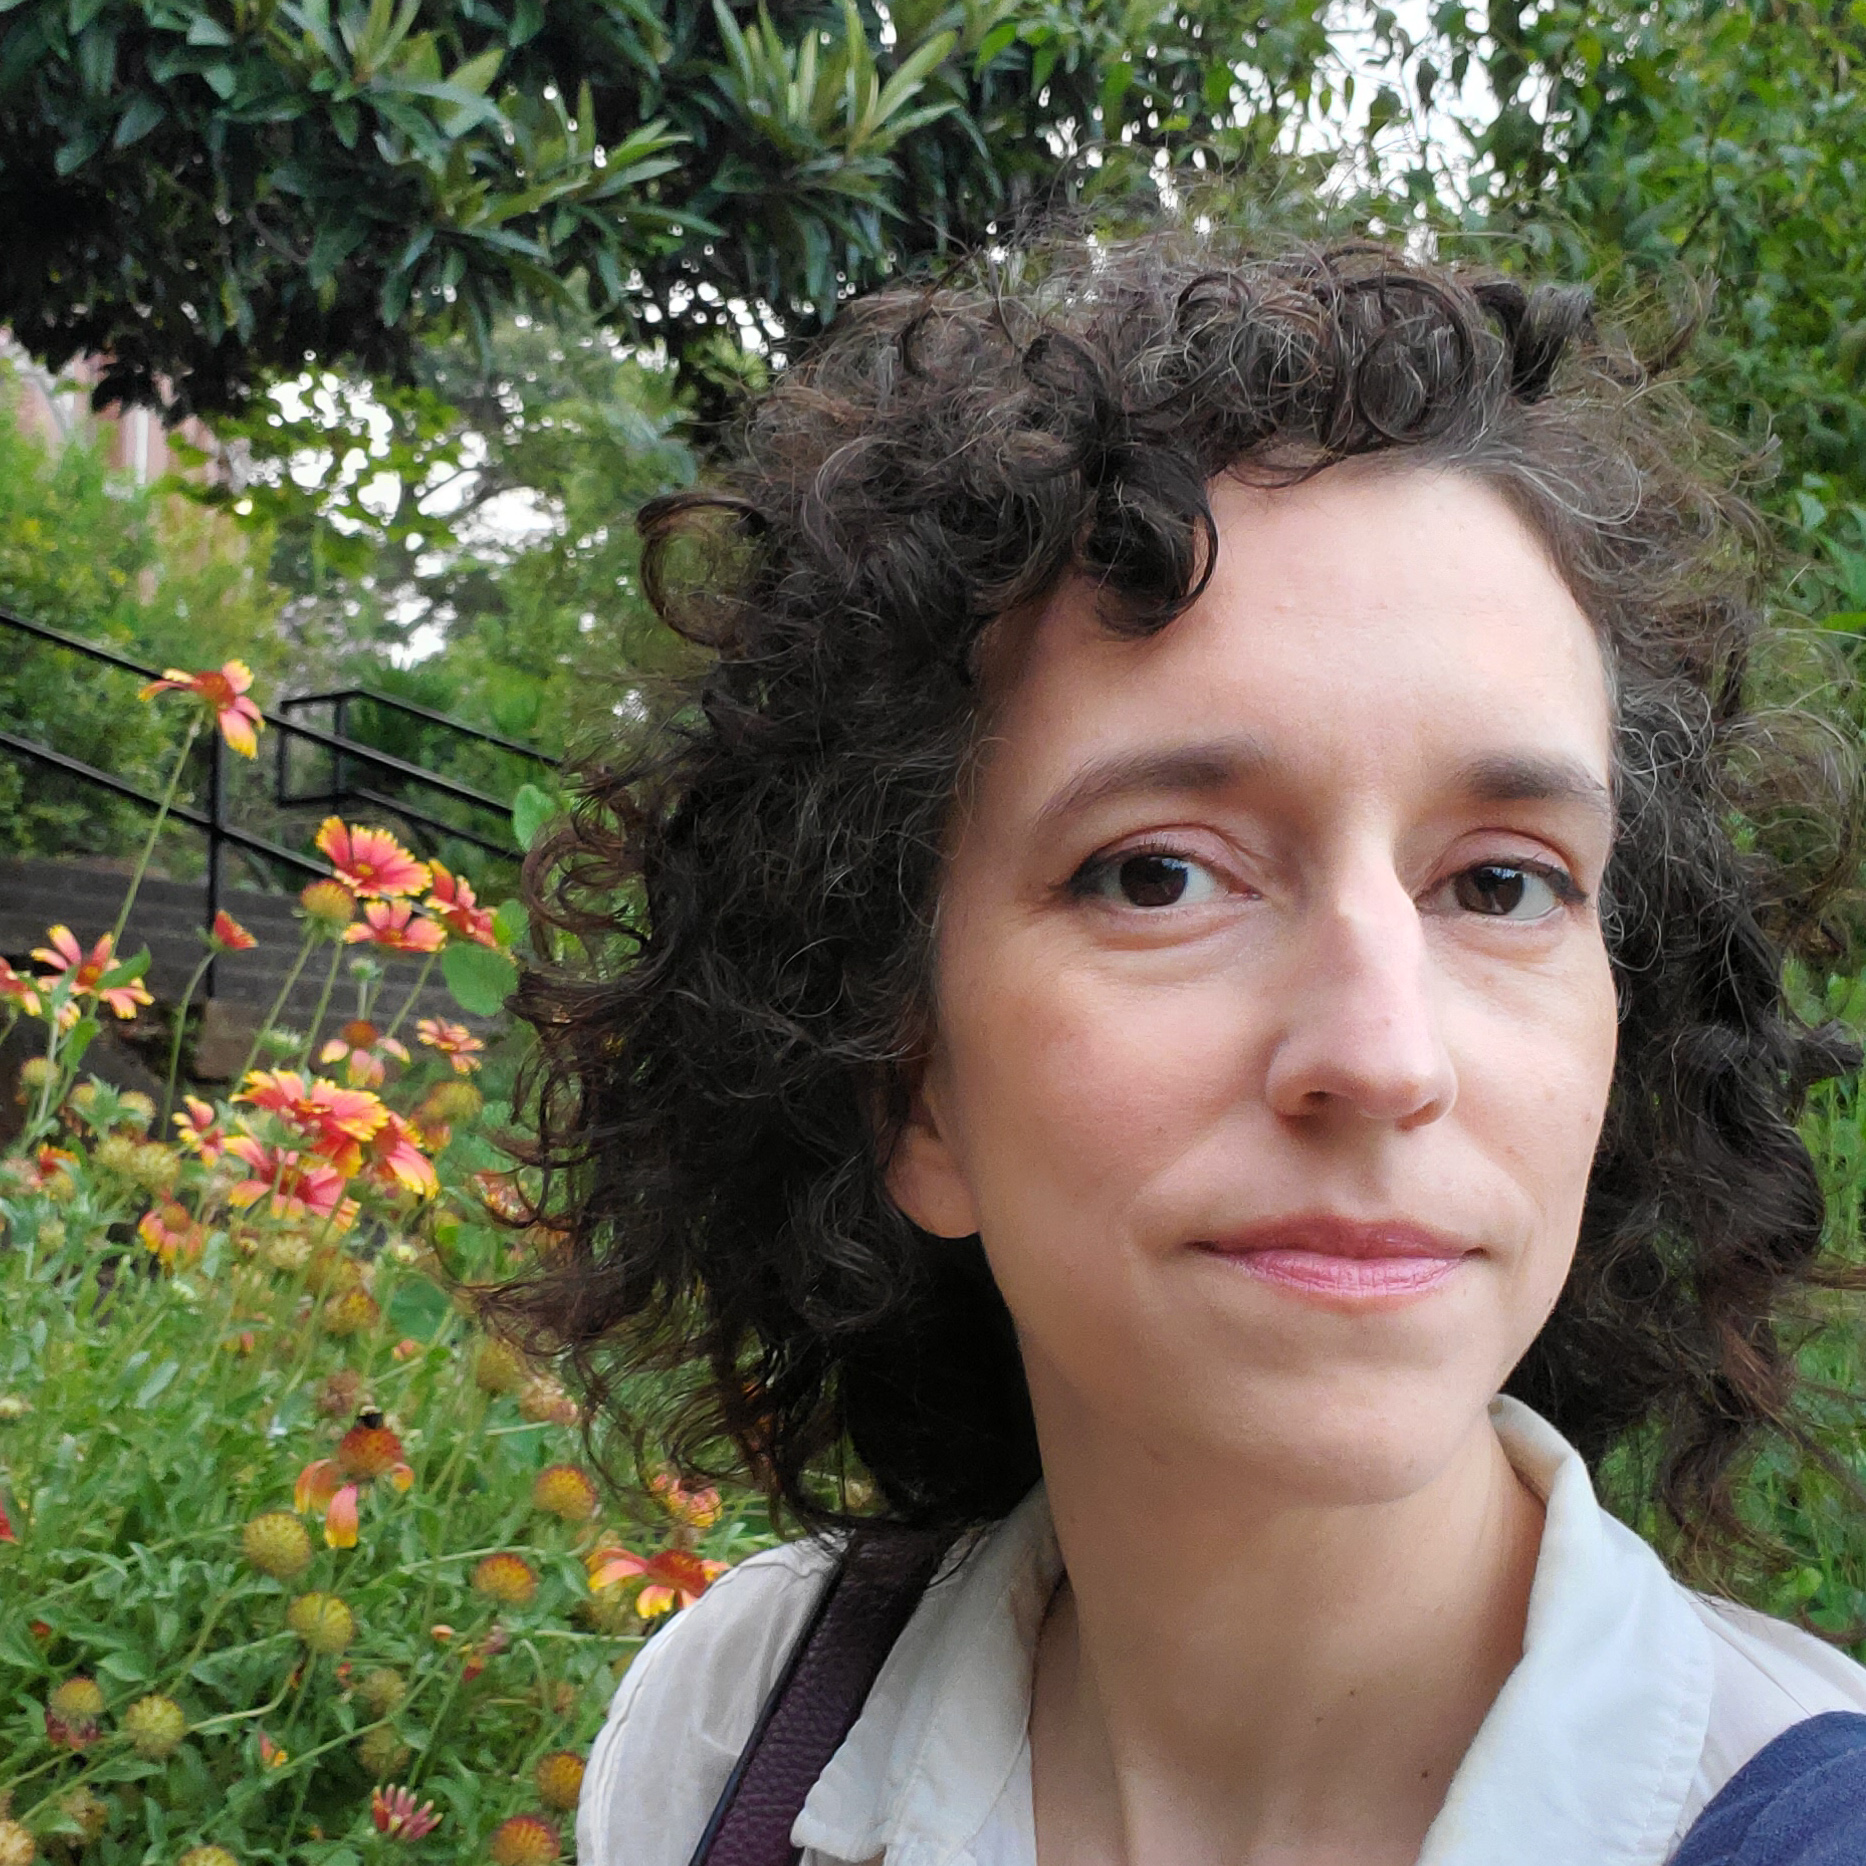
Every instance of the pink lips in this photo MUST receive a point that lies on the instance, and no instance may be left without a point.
(1340, 1260)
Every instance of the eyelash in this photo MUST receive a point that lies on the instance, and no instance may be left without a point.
(1082, 884)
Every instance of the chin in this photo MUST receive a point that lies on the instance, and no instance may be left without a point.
(1375, 1442)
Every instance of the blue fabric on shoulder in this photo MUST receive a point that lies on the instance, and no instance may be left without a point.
(1799, 1801)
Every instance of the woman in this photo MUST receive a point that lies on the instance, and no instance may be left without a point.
(1193, 1030)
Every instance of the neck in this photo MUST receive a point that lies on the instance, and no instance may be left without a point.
(1233, 1673)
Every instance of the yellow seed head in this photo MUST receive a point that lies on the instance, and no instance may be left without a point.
(77, 1701)
(277, 1544)
(207, 1856)
(323, 1621)
(330, 1270)
(382, 1752)
(541, 1399)
(382, 1690)
(116, 1154)
(450, 1103)
(328, 906)
(559, 1777)
(91, 1812)
(566, 1490)
(155, 1167)
(35, 1072)
(524, 1840)
(155, 1726)
(355, 1312)
(17, 1846)
(499, 1367)
(136, 1110)
(506, 1578)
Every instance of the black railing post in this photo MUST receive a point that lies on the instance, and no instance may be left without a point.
(340, 728)
(216, 831)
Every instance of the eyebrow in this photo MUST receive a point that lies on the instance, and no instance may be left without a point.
(1222, 764)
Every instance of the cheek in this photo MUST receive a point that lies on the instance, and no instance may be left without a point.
(1072, 1089)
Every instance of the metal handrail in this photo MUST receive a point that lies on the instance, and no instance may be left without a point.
(339, 696)
(212, 822)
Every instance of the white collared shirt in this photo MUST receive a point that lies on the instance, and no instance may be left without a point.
(1635, 1700)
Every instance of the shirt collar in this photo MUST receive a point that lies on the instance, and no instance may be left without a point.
(1587, 1753)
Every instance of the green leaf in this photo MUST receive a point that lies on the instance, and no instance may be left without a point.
(480, 979)
(509, 921)
(144, 113)
(77, 1041)
(531, 810)
(156, 1384)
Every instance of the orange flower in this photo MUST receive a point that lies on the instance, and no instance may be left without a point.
(222, 692)
(86, 973)
(229, 935)
(172, 1234)
(361, 1050)
(675, 1577)
(297, 1187)
(200, 1132)
(451, 900)
(370, 862)
(20, 990)
(396, 927)
(454, 1041)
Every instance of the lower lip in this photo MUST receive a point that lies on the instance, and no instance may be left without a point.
(1345, 1279)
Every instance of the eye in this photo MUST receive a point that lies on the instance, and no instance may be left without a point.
(1513, 890)
(1148, 878)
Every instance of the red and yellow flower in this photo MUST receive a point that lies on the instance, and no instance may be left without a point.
(298, 1186)
(221, 692)
(229, 936)
(172, 1233)
(394, 1158)
(395, 1814)
(454, 1041)
(369, 1450)
(336, 1121)
(395, 927)
(451, 900)
(361, 1048)
(674, 1577)
(370, 862)
(200, 1130)
(15, 988)
(85, 974)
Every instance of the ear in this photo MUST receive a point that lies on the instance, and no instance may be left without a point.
(924, 1177)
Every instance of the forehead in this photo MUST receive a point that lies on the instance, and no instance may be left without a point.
(1368, 625)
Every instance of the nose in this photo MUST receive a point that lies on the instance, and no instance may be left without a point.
(1360, 1029)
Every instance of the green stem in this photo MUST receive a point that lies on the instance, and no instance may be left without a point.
(278, 1004)
(181, 1024)
(155, 830)
(323, 1005)
(415, 991)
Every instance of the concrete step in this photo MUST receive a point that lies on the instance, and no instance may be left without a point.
(168, 918)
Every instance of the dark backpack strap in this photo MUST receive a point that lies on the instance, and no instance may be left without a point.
(1799, 1801)
(870, 1596)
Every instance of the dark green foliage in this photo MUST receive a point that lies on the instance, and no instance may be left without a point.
(206, 191)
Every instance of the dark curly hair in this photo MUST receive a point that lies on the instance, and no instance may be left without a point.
(722, 1070)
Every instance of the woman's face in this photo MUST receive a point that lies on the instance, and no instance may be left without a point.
(1274, 1022)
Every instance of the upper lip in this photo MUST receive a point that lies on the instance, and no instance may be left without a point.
(1330, 1236)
